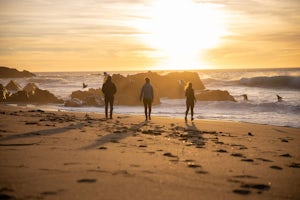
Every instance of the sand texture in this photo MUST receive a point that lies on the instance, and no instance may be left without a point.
(60, 155)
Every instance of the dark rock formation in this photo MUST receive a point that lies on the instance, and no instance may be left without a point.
(30, 94)
(170, 86)
(92, 97)
(3, 93)
(6, 72)
(39, 96)
(13, 86)
(214, 95)
(43, 97)
(30, 88)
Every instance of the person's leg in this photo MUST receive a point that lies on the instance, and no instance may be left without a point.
(187, 110)
(192, 111)
(150, 108)
(145, 108)
(111, 103)
(106, 107)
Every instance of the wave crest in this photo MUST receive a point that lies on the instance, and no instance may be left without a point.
(272, 82)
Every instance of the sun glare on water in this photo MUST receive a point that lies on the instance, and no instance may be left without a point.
(180, 31)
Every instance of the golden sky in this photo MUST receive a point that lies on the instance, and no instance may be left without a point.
(111, 35)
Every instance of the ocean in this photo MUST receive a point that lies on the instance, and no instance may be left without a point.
(260, 85)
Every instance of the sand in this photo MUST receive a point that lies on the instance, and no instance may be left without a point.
(64, 155)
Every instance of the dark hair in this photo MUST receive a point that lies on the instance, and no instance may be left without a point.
(108, 78)
(147, 80)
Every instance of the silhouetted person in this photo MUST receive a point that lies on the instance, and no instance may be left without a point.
(84, 85)
(147, 95)
(109, 89)
(190, 100)
(279, 98)
(245, 97)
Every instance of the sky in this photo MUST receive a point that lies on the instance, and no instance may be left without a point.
(112, 35)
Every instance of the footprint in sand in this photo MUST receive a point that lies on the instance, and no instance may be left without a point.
(264, 160)
(237, 155)
(86, 180)
(276, 167)
(247, 160)
(102, 148)
(221, 151)
(192, 165)
(143, 146)
(242, 192)
(170, 155)
(286, 155)
(294, 165)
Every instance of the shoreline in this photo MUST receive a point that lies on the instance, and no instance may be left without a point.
(69, 155)
(62, 108)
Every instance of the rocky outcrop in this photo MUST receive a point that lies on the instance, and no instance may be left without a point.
(3, 93)
(169, 86)
(214, 95)
(13, 86)
(30, 88)
(92, 97)
(29, 94)
(39, 96)
(6, 72)
(43, 97)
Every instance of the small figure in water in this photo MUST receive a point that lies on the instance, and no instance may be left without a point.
(279, 98)
(147, 95)
(245, 97)
(109, 90)
(84, 85)
(190, 100)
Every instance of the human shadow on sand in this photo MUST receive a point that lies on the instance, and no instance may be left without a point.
(115, 137)
(40, 133)
(194, 136)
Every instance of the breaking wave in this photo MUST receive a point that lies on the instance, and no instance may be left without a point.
(292, 82)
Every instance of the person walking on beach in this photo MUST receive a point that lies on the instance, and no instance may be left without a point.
(190, 100)
(147, 95)
(109, 89)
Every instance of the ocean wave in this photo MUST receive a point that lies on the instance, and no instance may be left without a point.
(292, 82)
(47, 80)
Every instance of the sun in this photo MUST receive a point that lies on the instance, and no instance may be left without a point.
(181, 30)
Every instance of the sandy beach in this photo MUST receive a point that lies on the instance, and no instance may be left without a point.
(66, 155)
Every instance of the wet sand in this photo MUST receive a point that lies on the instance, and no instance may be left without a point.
(64, 155)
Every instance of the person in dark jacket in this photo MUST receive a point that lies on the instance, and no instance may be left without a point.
(190, 100)
(109, 90)
(147, 95)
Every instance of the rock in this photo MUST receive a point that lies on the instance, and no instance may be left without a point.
(170, 86)
(3, 93)
(73, 103)
(6, 72)
(19, 96)
(92, 97)
(44, 96)
(13, 86)
(214, 95)
(30, 88)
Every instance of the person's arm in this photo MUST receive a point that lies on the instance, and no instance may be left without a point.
(115, 89)
(142, 92)
(103, 88)
(152, 94)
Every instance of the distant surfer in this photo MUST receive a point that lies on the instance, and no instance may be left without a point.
(279, 98)
(84, 85)
(245, 97)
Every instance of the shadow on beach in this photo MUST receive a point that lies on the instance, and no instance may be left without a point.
(115, 137)
(38, 133)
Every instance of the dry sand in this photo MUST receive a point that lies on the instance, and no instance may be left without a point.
(60, 155)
